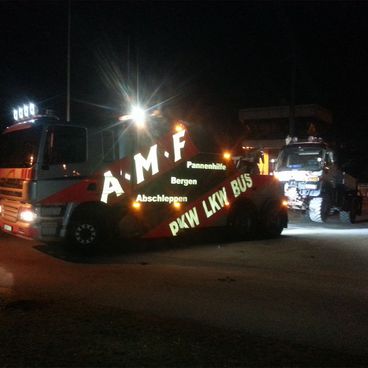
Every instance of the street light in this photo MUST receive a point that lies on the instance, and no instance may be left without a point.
(137, 115)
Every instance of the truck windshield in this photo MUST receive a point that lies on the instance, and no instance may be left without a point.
(300, 158)
(19, 148)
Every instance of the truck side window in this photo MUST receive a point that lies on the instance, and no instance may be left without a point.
(65, 145)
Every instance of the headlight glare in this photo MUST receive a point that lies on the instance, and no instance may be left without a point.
(27, 215)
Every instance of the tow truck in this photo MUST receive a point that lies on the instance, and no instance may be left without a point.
(142, 176)
(314, 182)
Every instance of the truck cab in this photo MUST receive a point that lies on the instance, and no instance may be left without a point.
(314, 183)
(36, 157)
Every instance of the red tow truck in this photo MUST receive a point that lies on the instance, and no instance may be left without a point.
(141, 176)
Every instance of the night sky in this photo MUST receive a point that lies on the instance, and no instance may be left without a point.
(204, 60)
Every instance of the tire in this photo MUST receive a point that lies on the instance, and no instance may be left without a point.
(318, 209)
(241, 223)
(345, 217)
(349, 217)
(86, 233)
(273, 220)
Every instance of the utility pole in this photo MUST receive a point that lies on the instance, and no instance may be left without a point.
(68, 66)
(292, 94)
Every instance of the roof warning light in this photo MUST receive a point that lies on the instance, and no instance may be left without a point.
(25, 112)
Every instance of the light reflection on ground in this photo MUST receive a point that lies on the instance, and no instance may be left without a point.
(342, 231)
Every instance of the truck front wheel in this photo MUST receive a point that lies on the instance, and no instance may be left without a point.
(318, 209)
(86, 233)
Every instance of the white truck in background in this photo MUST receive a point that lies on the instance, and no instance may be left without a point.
(314, 183)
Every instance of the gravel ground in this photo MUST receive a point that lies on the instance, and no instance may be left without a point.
(35, 334)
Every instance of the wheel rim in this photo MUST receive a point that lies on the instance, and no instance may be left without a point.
(85, 234)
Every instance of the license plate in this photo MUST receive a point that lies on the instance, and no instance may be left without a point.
(8, 227)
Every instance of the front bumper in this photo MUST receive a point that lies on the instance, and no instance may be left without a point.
(298, 193)
(46, 227)
(20, 229)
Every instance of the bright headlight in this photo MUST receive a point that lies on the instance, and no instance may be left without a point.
(27, 215)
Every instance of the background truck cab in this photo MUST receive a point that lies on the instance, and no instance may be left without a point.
(314, 182)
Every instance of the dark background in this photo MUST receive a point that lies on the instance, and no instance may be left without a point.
(201, 61)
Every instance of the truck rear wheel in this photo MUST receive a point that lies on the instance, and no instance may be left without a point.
(273, 220)
(346, 217)
(318, 209)
(349, 217)
(241, 222)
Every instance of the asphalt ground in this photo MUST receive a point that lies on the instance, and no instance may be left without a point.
(44, 331)
(73, 334)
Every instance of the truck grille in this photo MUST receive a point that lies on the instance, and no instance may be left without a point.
(11, 193)
(11, 183)
(10, 212)
(13, 188)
